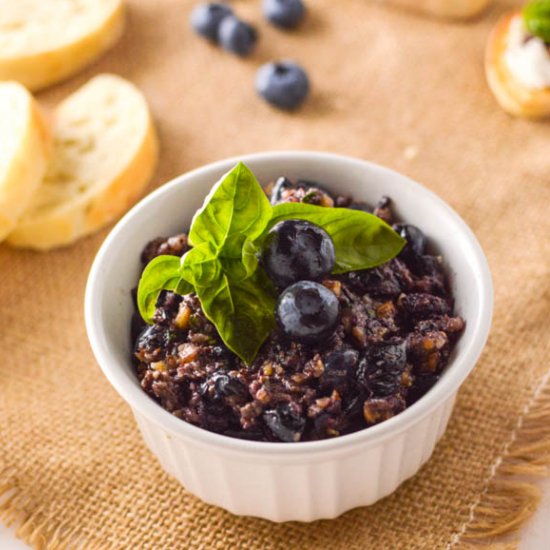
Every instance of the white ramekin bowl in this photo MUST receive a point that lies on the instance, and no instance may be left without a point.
(294, 481)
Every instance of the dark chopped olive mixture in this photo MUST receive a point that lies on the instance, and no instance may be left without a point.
(394, 336)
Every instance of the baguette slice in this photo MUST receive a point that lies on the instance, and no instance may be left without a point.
(451, 9)
(105, 151)
(515, 98)
(24, 152)
(45, 41)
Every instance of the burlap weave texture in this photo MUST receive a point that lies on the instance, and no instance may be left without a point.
(388, 86)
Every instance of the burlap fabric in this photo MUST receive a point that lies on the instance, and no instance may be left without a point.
(388, 86)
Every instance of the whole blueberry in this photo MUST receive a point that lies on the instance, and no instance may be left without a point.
(236, 36)
(284, 13)
(294, 250)
(206, 19)
(308, 312)
(416, 240)
(284, 84)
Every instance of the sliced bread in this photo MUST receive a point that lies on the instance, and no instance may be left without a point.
(105, 151)
(24, 151)
(452, 9)
(45, 41)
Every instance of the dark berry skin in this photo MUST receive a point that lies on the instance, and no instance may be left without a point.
(339, 369)
(308, 312)
(422, 385)
(381, 280)
(236, 36)
(285, 422)
(227, 386)
(416, 240)
(220, 354)
(383, 210)
(381, 368)
(296, 250)
(206, 19)
(284, 84)
(154, 340)
(361, 206)
(284, 13)
(167, 305)
(136, 327)
(281, 185)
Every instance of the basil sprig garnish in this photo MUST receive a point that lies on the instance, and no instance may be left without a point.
(536, 15)
(223, 269)
(361, 240)
(161, 273)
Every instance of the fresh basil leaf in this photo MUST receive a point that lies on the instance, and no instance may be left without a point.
(234, 268)
(536, 15)
(223, 267)
(250, 257)
(242, 311)
(200, 266)
(361, 240)
(161, 273)
(236, 209)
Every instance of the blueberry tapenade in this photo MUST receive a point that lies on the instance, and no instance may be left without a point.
(290, 314)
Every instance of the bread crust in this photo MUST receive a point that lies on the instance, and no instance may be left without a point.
(515, 98)
(45, 68)
(76, 217)
(451, 9)
(26, 168)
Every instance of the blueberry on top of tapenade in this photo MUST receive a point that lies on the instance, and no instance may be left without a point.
(308, 312)
(347, 348)
(297, 250)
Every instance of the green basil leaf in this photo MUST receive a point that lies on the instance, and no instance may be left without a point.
(250, 257)
(236, 209)
(235, 269)
(536, 15)
(161, 273)
(223, 267)
(361, 240)
(200, 266)
(242, 311)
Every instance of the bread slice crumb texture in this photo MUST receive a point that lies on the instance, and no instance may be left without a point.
(105, 151)
(44, 41)
(24, 152)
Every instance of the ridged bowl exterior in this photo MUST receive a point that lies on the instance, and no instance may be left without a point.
(303, 481)
(302, 488)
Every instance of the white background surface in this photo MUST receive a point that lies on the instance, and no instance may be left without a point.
(535, 536)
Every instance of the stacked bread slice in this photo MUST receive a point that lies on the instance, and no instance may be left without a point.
(24, 152)
(103, 153)
(451, 9)
(45, 41)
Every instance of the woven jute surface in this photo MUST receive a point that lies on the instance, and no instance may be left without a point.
(388, 86)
